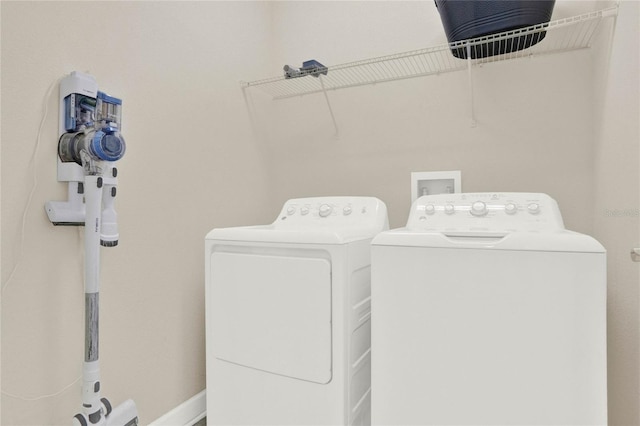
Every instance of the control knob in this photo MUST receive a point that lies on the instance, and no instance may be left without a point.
(511, 208)
(534, 208)
(325, 210)
(478, 208)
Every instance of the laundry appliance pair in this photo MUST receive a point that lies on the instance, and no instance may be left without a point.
(482, 310)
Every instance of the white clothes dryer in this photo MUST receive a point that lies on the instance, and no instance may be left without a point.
(486, 311)
(288, 329)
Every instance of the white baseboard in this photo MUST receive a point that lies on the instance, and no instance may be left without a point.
(185, 414)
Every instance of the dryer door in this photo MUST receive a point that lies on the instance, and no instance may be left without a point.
(272, 313)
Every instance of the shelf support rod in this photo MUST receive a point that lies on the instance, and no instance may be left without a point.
(470, 75)
(250, 110)
(326, 97)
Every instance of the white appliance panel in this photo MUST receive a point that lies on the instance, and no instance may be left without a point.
(276, 312)
(486, 311)
(506, 340)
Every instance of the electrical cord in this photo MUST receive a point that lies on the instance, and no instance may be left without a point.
(33, 163)
(38, 398)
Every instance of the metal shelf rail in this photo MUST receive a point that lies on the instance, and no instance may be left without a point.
(559, 36)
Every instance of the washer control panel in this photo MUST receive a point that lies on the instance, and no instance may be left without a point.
(488, 212)
(323, 212)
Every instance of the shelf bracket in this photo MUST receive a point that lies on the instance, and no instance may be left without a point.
(326, 97)
(249, 105)
(470, 77)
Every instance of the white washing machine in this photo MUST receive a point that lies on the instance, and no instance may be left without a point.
(288, 312)
(486, 311)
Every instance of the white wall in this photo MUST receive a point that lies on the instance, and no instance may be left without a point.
(191, 165)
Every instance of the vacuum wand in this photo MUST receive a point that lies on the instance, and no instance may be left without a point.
(96, 410)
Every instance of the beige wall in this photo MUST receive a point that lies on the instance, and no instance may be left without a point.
(556, 124)
(617, 208)
(191, 165)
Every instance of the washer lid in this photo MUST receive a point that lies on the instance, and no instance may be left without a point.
(561, 241)
(492, 220)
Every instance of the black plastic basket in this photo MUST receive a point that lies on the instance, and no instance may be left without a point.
(472, 19)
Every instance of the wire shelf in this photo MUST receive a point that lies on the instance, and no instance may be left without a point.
(553, 37)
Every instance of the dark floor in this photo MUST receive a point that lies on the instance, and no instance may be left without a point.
(202, 422)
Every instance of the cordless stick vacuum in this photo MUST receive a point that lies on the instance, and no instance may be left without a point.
(87, 151)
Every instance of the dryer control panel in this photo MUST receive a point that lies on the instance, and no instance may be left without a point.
(323, 212)
(485, 212)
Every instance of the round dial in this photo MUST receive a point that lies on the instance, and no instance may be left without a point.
(478, 208)
(533, 208)
(511, 208)
(325, 210)
(449, 209)
(429, 209)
